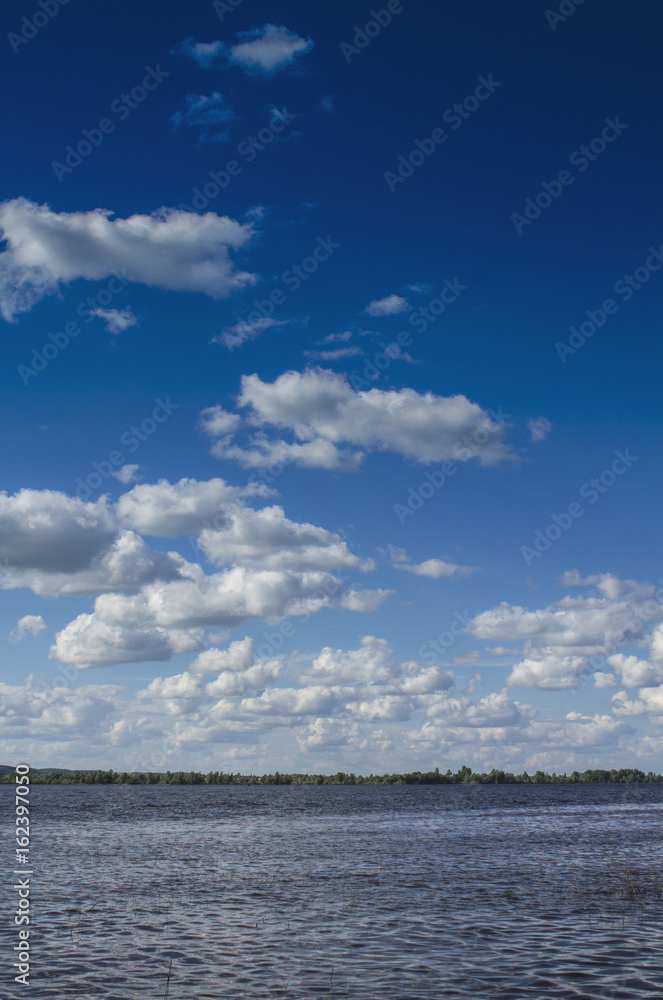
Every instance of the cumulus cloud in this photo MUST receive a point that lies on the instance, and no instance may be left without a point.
(88, 641)
(229, 599)
(171, 249)
(334, 425)
(391, 305)
(116, 320)
(565, 642)
(373, 663)
(208, 114)
(267, 539)
(339, 702)
(57, 544)
(648, 702)
(151, 604)
(47, 530)
(27, 625)
(268, 49)
(493, 710)
(185, 507)
(29, 712)
(634, 672)
(539, 428)
(237, 657)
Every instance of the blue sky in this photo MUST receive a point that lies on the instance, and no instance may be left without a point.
(331, 386)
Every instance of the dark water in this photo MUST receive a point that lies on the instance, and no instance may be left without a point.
(293, 892)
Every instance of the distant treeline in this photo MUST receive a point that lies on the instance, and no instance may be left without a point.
(465, 776)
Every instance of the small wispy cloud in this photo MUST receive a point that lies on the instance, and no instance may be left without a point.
(268, 49)
(389, 306)
(127, 474)
(234, 336)
(206, 113)
(340, 352)
(539, 428)
(206, 54)
(433, 568)
(466, 659)
(116, 320)
(337, 338)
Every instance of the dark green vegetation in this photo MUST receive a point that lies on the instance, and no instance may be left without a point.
(617, 881)
(465, 776)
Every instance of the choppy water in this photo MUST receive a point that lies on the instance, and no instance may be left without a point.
(358, 892)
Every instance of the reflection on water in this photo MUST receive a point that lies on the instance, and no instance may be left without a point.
(358, 892)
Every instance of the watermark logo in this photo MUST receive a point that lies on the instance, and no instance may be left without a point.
(454, 116)
(379, 20)
(591, 491)
(121, 107)
(626, 287)
(563, 12)
(31, 26)
(22, 885)
(581, 158)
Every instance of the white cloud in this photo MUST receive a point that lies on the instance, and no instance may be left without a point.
(171, 509)
(578, 731)
(152, 603)
(389, 306)
(68, 715)
(47, 531)
(373, 664)
(648, 702)
(268, 540)
(265, 453)
(268, 49)
(237, 657)
(228, 599)
(234, 336)
(604, 680)
(622, 706)
(633, 672)
(218, 422)
(330, 420)
(207, 113)
(126, 474)
(28, 624)
(88, 641)
(171, 249)
(539, 428)
(364, 600)
(57, 544)
(564, 643)
(116, 320)
(553, 672)
(495, 709)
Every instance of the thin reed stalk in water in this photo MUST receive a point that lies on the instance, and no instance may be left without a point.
(165, 996)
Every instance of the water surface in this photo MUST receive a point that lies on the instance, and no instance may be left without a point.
(356, 891)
